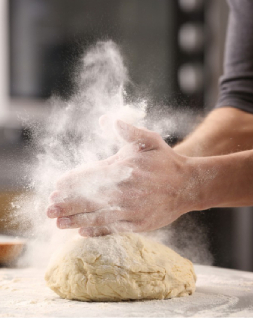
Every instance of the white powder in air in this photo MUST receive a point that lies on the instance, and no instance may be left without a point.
(72, 138)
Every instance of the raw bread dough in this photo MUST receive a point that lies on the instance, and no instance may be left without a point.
(119, 267)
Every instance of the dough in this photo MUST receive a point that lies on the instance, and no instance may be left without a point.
(119, 267)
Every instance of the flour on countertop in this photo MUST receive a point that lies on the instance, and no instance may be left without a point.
(211, 299)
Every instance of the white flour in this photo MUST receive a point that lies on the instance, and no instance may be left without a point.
(72, 138)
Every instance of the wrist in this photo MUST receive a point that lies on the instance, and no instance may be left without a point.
(201, 180)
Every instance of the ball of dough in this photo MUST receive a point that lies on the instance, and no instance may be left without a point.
(119, 267)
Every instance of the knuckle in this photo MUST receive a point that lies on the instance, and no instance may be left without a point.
(98, 220)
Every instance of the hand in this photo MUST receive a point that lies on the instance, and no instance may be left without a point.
(157, 187)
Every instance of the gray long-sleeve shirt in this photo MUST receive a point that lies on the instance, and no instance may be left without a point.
(236, 85)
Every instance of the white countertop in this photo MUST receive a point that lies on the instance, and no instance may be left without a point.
(220, 293)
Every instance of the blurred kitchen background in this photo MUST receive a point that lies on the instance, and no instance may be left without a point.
(174, 52)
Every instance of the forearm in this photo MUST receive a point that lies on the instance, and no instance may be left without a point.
(224, 130)
(225, 181)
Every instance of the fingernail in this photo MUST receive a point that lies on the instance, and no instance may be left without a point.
(64, 222)
(54, 212)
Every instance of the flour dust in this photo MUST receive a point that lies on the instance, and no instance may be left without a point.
(72, 138)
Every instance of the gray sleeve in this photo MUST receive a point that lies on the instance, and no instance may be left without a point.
(236, 85)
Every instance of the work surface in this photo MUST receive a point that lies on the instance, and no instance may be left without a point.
(220, 293)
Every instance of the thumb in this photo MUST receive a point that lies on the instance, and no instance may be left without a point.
(147, 140)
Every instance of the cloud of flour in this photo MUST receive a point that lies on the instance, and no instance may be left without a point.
(72, 137)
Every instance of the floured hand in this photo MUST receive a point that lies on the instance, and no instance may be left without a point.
(143, 187)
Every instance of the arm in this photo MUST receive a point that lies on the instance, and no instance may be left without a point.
(225, 130)
(225, 181)
(230, 129)
(162, 186)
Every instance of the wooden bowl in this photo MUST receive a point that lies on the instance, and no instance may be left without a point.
(10, 249)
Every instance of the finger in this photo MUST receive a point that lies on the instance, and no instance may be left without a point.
(95, 219)
(84, 177)
(56, 197)
(72, 179)
(120, 226)
(110, 160)
(72, 206)
(146, 139)
(95, 232)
